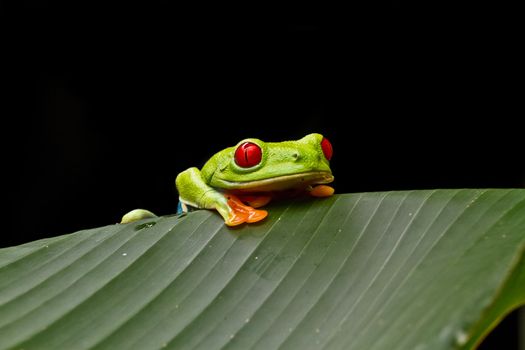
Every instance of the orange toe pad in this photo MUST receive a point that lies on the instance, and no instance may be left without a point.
(242, 213)
(255, 201)
(322, 191)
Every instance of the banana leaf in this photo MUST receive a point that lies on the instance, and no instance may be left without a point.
(433, 269)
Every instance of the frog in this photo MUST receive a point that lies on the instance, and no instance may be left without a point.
(239, 180)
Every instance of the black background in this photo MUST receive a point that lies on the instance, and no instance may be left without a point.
(105, 104)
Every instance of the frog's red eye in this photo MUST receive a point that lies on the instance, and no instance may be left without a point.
(248, 154)
(327, 148)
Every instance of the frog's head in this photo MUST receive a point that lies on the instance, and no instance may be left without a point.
(254, 165)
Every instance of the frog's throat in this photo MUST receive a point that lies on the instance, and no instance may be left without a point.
(278, 183)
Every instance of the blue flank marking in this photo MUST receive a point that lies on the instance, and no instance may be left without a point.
(180, 208)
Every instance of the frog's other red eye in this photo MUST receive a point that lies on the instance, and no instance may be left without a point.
(248, 154)
(327, 148)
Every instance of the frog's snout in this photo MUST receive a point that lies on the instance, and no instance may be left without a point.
(327, 178)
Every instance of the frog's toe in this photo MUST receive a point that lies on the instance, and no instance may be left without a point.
(256, 215)
(322, 191)
(256, 201)
(240, 213)
(236, 218)
(136, 215)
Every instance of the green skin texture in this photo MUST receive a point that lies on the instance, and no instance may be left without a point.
(288, 165)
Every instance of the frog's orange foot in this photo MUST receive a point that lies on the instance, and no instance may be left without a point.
(255, 201)
(322, 191)
(241, 213)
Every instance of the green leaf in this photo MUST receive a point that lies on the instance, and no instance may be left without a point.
(396, 270)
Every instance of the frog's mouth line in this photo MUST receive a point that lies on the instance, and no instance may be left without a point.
(280, 183)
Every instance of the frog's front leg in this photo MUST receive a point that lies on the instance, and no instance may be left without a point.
(194, 191)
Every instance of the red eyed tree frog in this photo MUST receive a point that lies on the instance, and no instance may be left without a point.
(238, 180)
